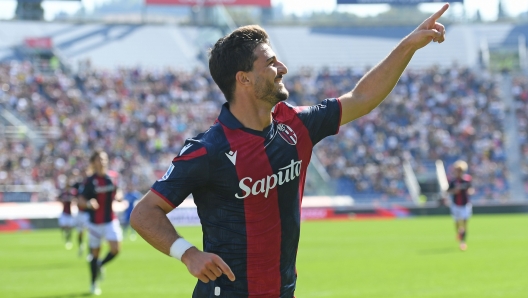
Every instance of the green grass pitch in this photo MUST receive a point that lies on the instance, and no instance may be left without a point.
(416, 257)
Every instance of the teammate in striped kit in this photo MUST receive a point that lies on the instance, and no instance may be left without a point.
(246, 173)
(66, 220)
(83, 214)
(461, 210)
(97, 194)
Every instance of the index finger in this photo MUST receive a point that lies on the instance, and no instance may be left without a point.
(225, 269)
(439, 13)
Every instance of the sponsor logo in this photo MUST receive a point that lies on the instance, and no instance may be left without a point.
(185, 148)
(287, 134)
(264, 185)
(232, 156)
(107, 188)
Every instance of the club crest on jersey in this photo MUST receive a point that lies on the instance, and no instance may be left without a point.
(287, 134)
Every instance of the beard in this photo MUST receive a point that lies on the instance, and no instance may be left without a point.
(268, 92)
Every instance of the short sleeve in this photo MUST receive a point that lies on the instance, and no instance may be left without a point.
(321, 120)
(187, 172)
(451, 185)
(468, 179)
(87, 189)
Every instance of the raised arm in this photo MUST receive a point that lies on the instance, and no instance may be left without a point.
(150, 221)
(374, 87)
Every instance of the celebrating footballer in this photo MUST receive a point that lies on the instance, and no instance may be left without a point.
(247, 172)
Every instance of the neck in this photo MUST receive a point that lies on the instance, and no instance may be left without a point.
(100, 172)
(253, 113)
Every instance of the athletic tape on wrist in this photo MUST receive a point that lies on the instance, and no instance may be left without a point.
(179, 247)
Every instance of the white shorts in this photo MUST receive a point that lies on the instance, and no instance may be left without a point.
(110, 231)
(66, 221)
(461, 212)
(82, 220)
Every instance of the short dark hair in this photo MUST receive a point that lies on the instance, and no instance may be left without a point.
(233, 53)
(95, 154)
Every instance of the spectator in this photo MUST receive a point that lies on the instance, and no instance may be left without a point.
(142, 117)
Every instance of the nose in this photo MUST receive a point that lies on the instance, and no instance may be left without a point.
(281, 68)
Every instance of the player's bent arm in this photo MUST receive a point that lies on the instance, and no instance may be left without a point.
(88, 204)
(150, 221)
(374, 87)
(471, 191)
(119, 195)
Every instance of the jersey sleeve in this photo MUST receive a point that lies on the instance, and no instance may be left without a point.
(187, 172)
(451, 185)
(321, 120)
(468, 179)
(87, 189)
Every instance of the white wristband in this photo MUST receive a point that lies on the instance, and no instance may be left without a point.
(179, 247)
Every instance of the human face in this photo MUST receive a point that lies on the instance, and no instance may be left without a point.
(458, 172)
(100, 163)
(268, 72)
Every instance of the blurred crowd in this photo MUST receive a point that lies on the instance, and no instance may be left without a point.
(520, 93)
(445, 114)
(142, 117)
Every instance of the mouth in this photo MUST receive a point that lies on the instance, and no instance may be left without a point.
(278, 79)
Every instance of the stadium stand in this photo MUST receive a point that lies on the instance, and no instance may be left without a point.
(432, 114)
(520, 92)
(53, 112)
(141, 117)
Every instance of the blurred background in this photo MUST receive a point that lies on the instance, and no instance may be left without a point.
(131, 77)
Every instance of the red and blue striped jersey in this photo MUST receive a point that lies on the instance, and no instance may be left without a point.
(103, 189)
(65, 197)
(75, 192)
(248, 187)
(463, 184)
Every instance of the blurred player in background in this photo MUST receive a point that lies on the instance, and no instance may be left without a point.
(132, 196)
(66, 220)
(460, 188)
(247, 172)
(98, 192)
(83, 215)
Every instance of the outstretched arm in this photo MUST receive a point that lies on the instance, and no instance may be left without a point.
(150, 221)
(372, 89)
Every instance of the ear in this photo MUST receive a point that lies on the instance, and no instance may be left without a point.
(244, 78)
